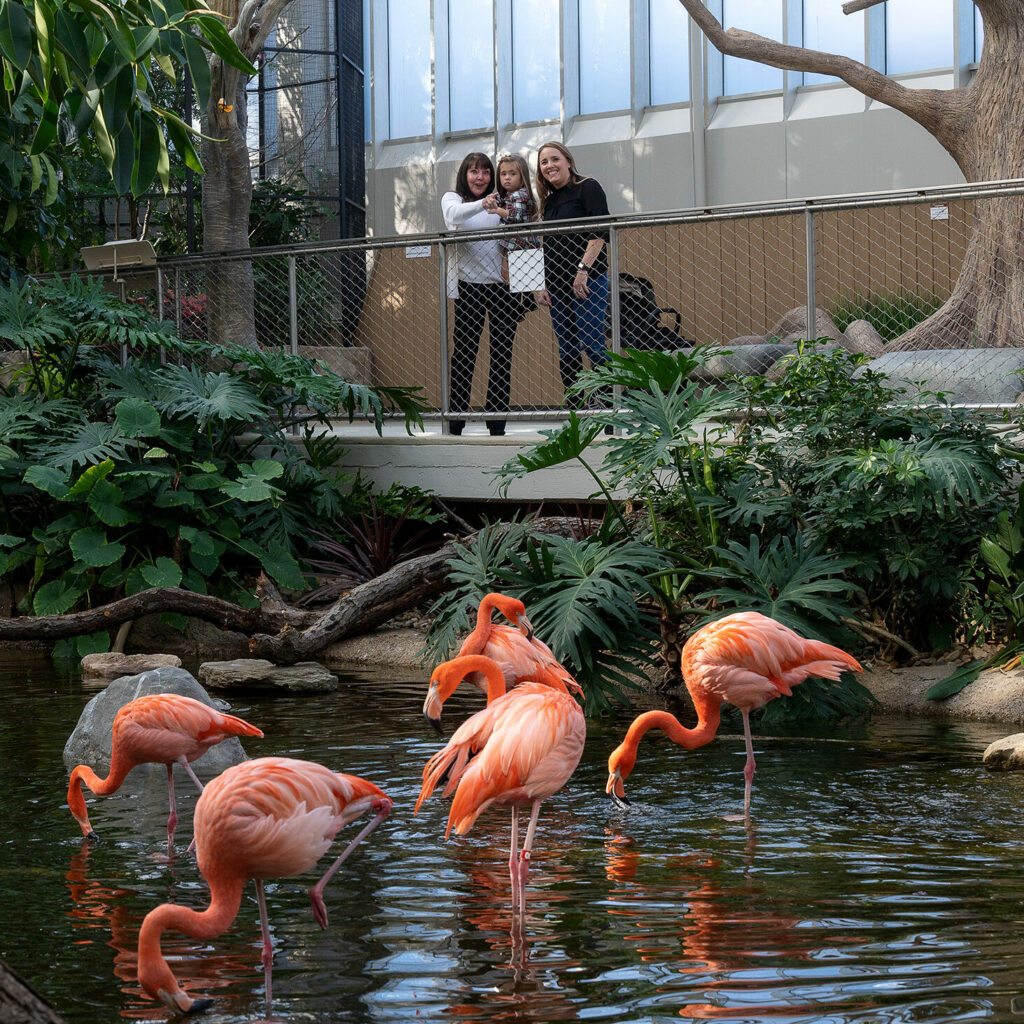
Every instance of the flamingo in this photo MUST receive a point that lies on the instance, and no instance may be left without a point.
(745, 659)
(515, 648)
(272, 817)
(161, 728)
(447, 676)
(518, 751)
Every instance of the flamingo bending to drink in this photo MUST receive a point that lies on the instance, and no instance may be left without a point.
(272, 817)
(745, 659)
(161, 728)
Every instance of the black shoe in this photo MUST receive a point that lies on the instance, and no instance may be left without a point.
(455, 427)
(496, 429)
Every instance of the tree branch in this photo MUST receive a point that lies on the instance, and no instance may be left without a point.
(929, 107)
(859, 5)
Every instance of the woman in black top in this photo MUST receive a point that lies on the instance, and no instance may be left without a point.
(576, 264)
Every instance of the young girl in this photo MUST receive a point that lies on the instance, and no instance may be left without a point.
(517, 207)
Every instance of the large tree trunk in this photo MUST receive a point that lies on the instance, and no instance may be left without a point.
(227, 183)
(981, 127)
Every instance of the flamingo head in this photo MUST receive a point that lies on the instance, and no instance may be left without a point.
(157, 979)
(620, 764)
(514, 610)
(432, 706)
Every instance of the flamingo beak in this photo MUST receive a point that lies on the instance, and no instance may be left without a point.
(435, 724)
(615, 790)
(525, 628)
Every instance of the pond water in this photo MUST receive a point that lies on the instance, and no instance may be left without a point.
(879, 880)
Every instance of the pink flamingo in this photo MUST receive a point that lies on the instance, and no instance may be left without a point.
(272, 817)
(162, 728)
(517, 651)
(518, 751)
(745, 659)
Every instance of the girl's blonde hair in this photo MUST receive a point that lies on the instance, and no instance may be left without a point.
(524, 176)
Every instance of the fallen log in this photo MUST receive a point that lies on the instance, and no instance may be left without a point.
(277, 631)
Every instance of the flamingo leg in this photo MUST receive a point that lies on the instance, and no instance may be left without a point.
(316, 894)
(172, 819)
(749, 766)
(183, 761)
(267, 955)
(513, 856)
(524, 858)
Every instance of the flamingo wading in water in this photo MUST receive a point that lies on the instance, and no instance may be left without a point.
(272, 817)
(518, 751)
(161, 728)
(517, 651)
(745, 659)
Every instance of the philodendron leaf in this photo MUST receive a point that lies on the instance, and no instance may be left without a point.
(253, 485)
(90, 545)
(137, 418)
(106, 500)
(164, 572)
(48, 479)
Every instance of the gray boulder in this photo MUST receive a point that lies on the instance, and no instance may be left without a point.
(981, 375)
(862, 339)
(747, 360)
(90, 742)
(260, 676)
(792, 326)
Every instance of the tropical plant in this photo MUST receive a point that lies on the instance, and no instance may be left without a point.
(115, 478)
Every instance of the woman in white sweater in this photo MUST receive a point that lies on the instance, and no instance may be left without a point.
(482, 292)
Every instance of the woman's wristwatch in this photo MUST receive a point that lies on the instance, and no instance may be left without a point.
(584, 268)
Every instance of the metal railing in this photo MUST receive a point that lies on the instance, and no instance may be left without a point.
(743, 277)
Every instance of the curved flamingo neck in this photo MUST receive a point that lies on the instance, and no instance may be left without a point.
(477, 640)
(225, 900)
(709, 715)
(487, 667)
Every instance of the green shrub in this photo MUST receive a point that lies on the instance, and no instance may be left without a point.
(889, 313)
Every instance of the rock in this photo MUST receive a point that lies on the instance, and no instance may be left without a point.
(983, 375)
(746, 361)
(1006, 754)
(862, 339)
(259, 675)
(793, 326)
(403, 647)
(113, 665)
(198, 640)
(747, 339)
(90, 741)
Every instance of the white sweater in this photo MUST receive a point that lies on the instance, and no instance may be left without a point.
(479, 262)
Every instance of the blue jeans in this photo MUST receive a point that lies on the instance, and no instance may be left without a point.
(579, 326)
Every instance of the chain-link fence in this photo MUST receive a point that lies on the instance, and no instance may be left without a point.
(383, 312)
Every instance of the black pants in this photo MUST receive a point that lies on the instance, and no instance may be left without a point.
(504, 311)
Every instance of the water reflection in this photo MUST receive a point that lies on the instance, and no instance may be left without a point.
(881, 882)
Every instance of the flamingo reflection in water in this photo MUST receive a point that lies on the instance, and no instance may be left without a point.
(726, 937)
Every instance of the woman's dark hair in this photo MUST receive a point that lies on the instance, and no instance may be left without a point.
(470, 161)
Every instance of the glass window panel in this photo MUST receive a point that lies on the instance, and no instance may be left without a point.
(765, 18)
(409, 67)
(470, 64)
(827, 28)
(536, 61)
(670, 52)
(604, 55)
(918, 36)
(979, 34)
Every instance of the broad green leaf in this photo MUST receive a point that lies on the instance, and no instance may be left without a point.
(200, 69)
(199, 540)
(124, 160)
(92, 643)
(278, 563)
(48, 479)
(156, 453)
(106, 500)
(137, 418)
(89, 477)
(46, 130)
(71, 39)
(178, 132)
(44, 19)
(956, 680)
(16, 34)
(147, 151)
(163, 573)
(56, 597)
(222, 43)
(90, 546)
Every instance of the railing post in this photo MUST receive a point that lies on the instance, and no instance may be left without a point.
(293, 317)
(812, 302)
(442, 320)
(615, 302)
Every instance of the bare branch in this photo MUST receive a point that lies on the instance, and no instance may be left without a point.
(859, 5)
(929, 107)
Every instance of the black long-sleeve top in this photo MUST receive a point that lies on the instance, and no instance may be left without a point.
(562, 253)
